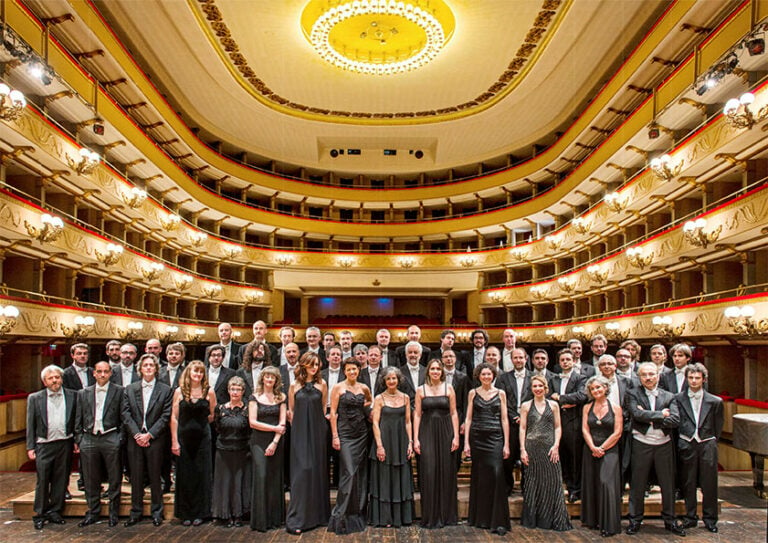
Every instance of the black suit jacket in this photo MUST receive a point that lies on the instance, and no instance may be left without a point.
(286, 378)
(86, 410)
(643, 417)
(71, 381)
(320, 354)
(221, 389)
(710, 417)
(274, 358)
(233, 360)
(117, 376)
(508, 383)
(376, 387)
(461, 387)
(165, 377)
(158, 411)
(574, 395)
(402, 361)
(587, 371)
(668, 381)
(408, 386)
(37, 414)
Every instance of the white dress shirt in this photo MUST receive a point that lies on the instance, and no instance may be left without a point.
(506, 361)
(652, 436)
(98, 417)
(213, 375)
(146, 394)
(82, 373)
(57, 417)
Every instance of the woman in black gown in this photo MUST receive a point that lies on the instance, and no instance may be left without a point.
(391, 480)
(267, 414)
(310, 504)
(601, 425)
(540, 430)
(232, 482)
(436, 438)
(193, 408)
(487, 426)
(350, 403)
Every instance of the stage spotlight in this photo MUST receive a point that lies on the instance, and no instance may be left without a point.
(756, 46)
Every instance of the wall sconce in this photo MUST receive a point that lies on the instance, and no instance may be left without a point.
(51, 229)
(636, 257)
(152, 271)
(169, 333)
(665, 167)
(737, 112)
(539, 292)
(183, 282)
(196, 238)
(554, 335)
(196, 335)
(581, 333)
(212, 291)
(12, 103)
(554, 241)
(615, 201)
(134, 197)
(86, 162)
(111, 256)
(567, 284)
(663, 327)
(254, 296)
(497, 298)
(695, 235)
(83, 326)
(467, 261)
(597, 273)
(237, 334)
(345, 262)
(613, 331)
(741, 319)
(462, 337)
(518, 253)
(406, 262)
(132, 332)
(170, 221)
(232, 251)
(8, 316)
(284, 260)
(581, 225)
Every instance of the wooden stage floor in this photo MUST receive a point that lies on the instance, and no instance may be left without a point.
(743, 519)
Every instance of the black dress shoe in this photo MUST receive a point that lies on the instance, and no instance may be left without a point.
(157, 521)
(197, 522)
(689, 523)
(112, 521)
(56, 518)
(675, 528)
(711, 527)
(80, 485)
(39, 523)
(186, 522)
(131, 521)
(633, 528)
(87, 521)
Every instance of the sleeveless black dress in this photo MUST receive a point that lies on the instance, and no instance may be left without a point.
(267, 492)
(437, 475)
(310, 504)
(194, 465)
(350, 512)
(488, 503)
(543, 497)
(391, 484)
(601, 478)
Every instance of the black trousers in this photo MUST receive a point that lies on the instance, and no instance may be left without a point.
(514, 456)
(644, 458)
(97, 451)
(52, 461)
(699, 468)
(146, 461)
(571, 451)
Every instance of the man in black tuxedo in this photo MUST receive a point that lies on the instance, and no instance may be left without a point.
(517, 387)
(288, 370)
(146, 413)
(674, 381)
(218, 374)
(658, 355)
(153, 346)
(383, 338)
(540, 361)
(413, 371)
(126, 373)
(50, 428)
(231, 347)
(447, 339)
(567, 389)
(260, 333)
(414, 336)
(78, 375)
(332, 376)
(625, 368)
(461, 385)
(476, 355)
(598, 346)
(113, 352)
(701, 422)
(619, 386)
(287, 336)
(370, 375)
(175, 353)
(654, 415)
(97, 433)
(313, 338)
(509, 342)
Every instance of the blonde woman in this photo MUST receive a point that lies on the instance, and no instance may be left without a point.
(194, 403)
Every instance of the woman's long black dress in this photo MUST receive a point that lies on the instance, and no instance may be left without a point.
(601, 478)
(310, 504)
(350, 512)
(194, 465)
(267, 488)
(391, 484)
(437, 475)
(232, 479)
(543, 497)
(488, 503)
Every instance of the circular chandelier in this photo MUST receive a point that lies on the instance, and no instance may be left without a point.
(378, 37)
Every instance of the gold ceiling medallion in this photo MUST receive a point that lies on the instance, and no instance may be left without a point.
(378, 37)
(351, 36)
